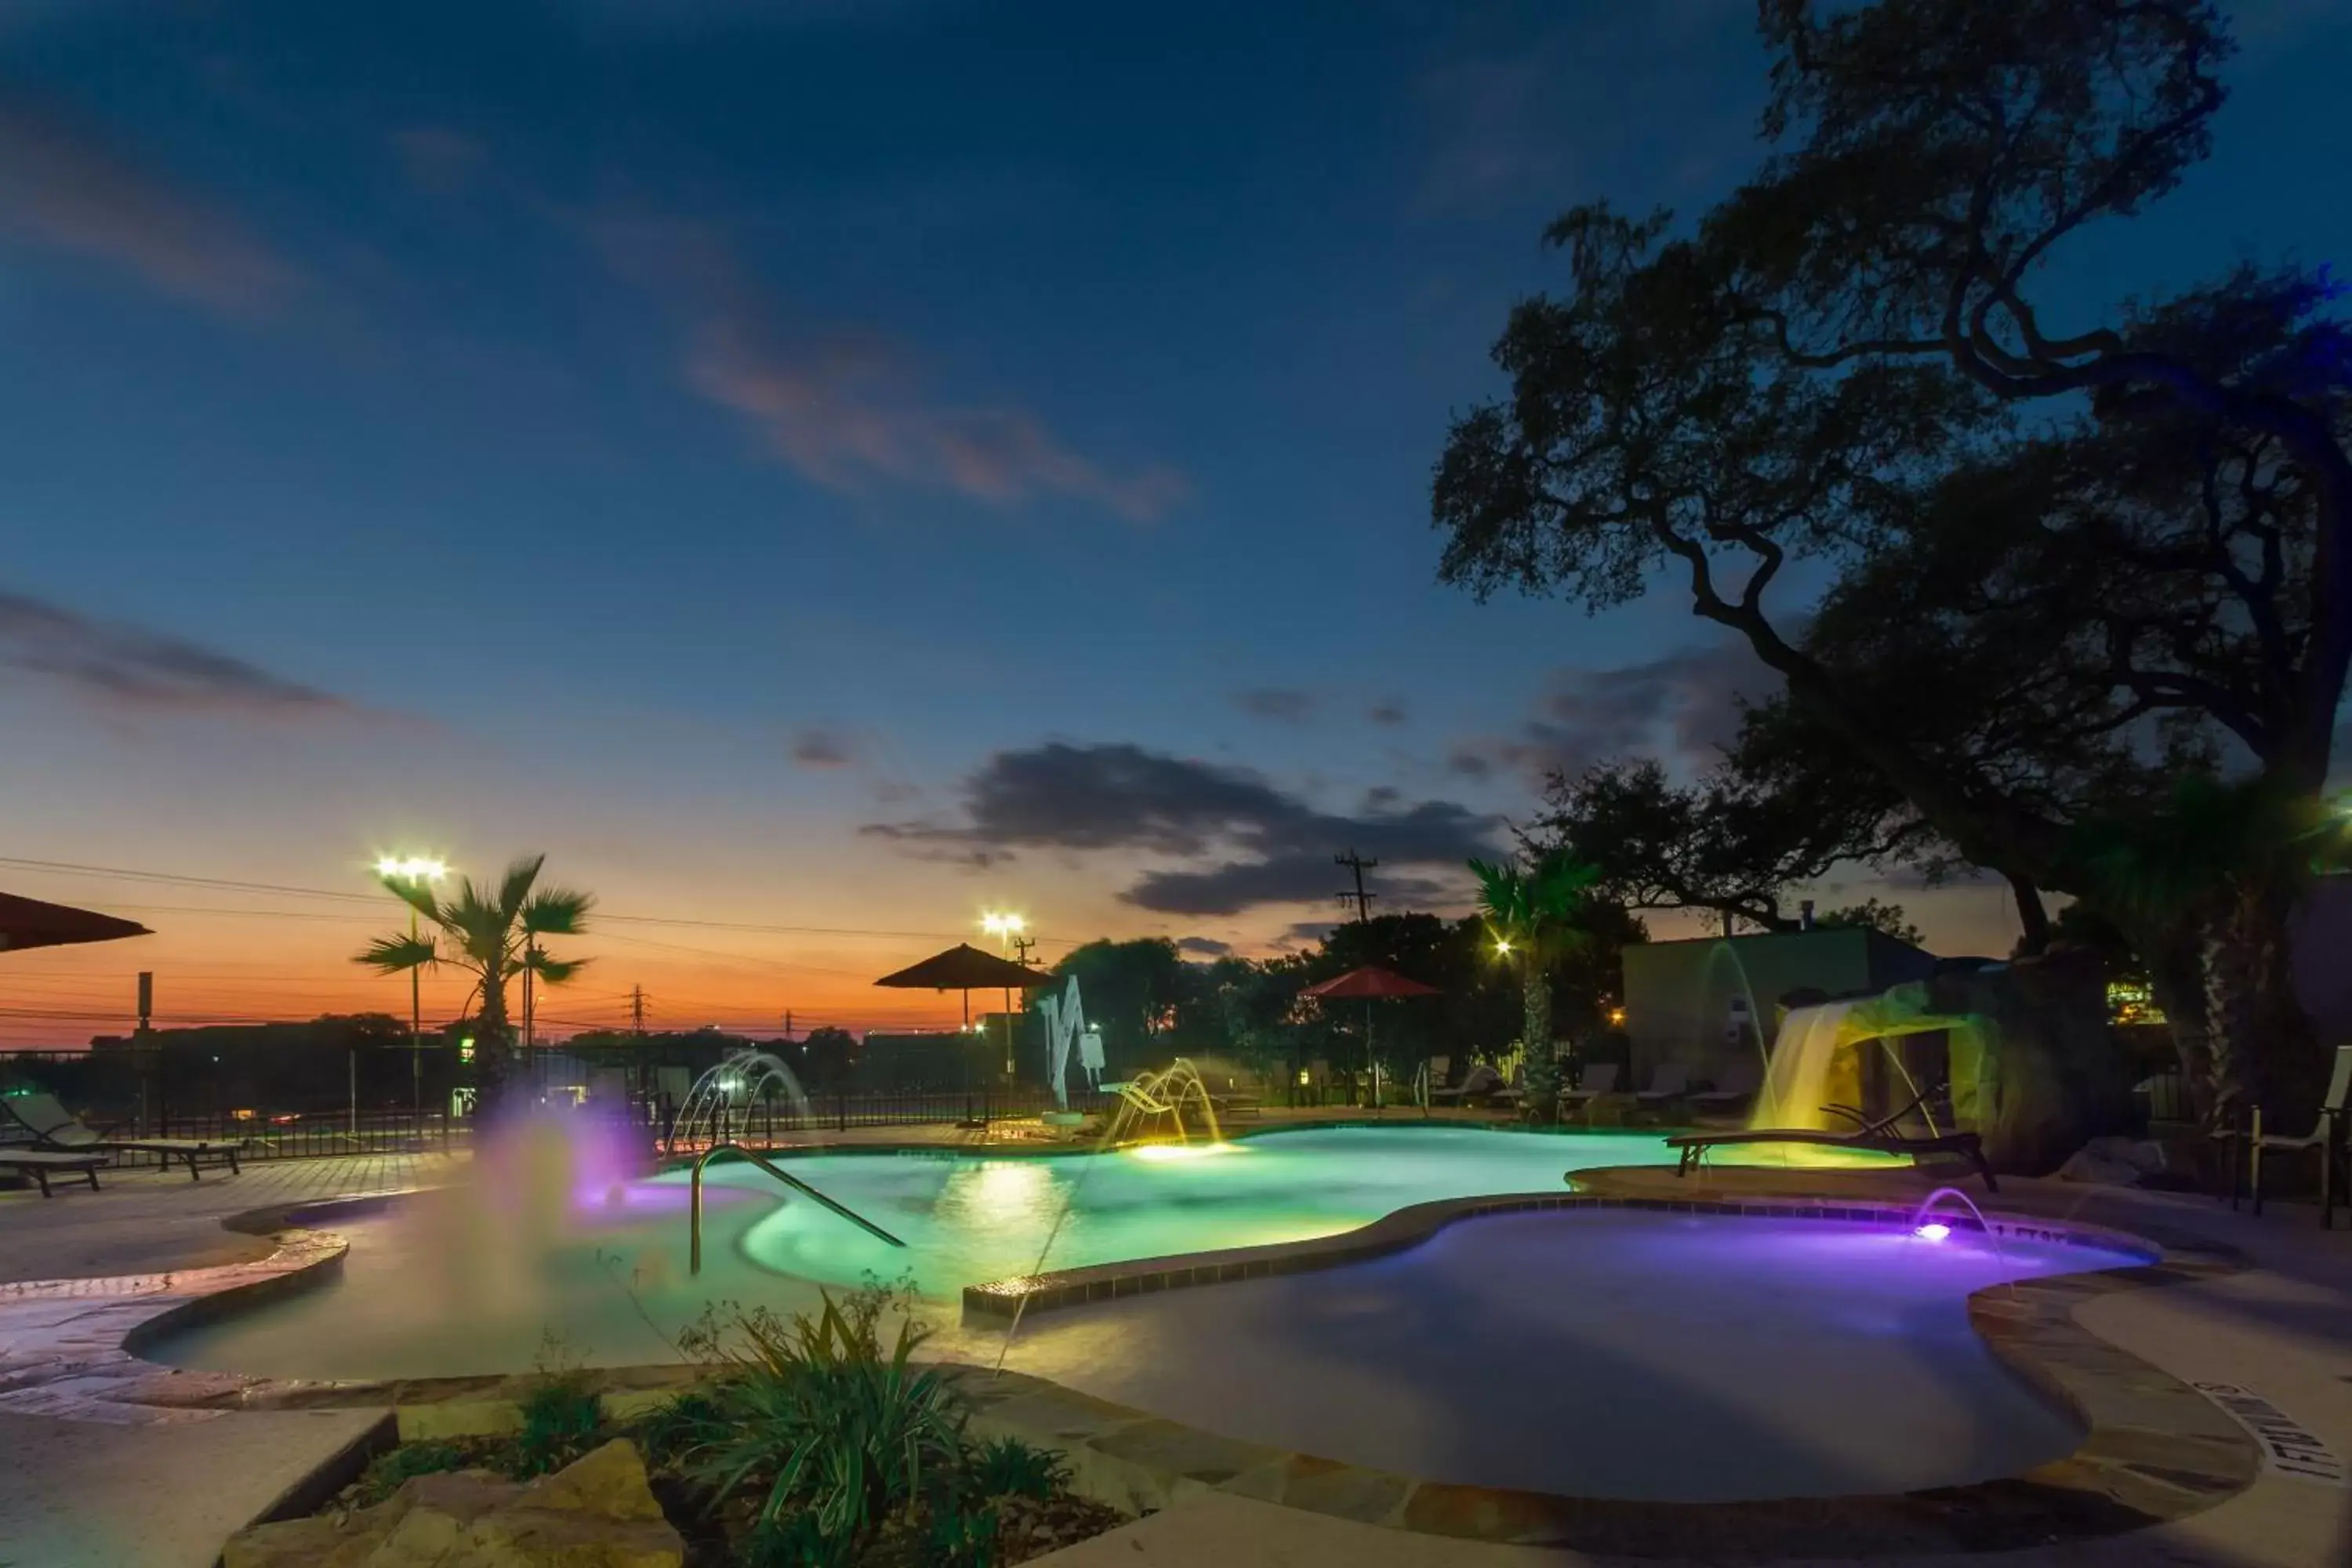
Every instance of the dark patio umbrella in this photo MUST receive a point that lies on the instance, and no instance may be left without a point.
(965, 968)
(1371, 982)
(29, 922)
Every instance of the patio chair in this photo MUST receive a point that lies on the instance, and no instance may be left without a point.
(1594, 1081)
(2326, 1136)
(54, 1127)
(42, 1163)
(1669, 1081)
(1732, 1092)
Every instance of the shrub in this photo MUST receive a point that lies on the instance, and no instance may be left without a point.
(1008, 1465)
(387, 1470)
(818, 1417)
(562, 1416)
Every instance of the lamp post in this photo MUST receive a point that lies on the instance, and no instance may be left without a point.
(1004, 927)
(413, 869)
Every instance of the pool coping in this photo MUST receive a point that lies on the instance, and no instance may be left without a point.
(2155, 1449)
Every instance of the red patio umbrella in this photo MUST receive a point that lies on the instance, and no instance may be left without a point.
(1371, 982)
(29, 922)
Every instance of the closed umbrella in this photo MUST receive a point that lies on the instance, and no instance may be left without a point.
(1371, 982)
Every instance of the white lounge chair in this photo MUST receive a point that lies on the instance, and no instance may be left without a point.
(1733, 1091)
(1480, 1079)
(1669, 1081)
(1594, 1081)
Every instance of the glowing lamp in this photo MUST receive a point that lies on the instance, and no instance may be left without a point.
(1934, 1230)
(411, 868)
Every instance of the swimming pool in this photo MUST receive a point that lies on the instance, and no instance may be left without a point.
(471, 1280)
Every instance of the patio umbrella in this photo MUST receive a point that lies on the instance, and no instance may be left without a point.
(29, 922)
(965, 968)
(1371, 982)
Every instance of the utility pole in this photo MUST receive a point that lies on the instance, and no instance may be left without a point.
(1360, 899)
(1022, 947)
(788, 1024)
(636, 1009)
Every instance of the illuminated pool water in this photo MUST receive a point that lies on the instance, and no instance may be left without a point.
(470, 1281)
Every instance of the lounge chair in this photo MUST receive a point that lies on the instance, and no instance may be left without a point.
(1732, 1092)
(1594, 1081)
(2326, 1136)
(42, 1163)
(54, 1127)
(1481, 1079)
(1877, 1137)
(1669, 1081)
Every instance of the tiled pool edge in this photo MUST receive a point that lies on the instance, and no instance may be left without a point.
(2155, 1449)
(1410, 1227)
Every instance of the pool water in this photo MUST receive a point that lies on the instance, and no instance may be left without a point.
(478, 1278)
(1603, 1353)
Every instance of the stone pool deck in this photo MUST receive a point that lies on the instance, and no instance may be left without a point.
(89, 1482)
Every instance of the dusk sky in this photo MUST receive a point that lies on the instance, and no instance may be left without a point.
(833, 467)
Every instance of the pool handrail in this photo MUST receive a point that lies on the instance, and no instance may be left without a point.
(694, 1240)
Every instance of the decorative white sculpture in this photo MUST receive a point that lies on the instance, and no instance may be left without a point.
(1067, 1026)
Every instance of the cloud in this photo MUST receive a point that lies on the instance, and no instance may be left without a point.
(1203, 947)
(819, 747)
(64, 189)
(1687, 703)
(1261, 845)
(125, 667)
(1282, 704)
(847, 408)
(1390, 713)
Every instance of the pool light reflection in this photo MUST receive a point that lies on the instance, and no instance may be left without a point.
(1160, 1151)
(1934, 1230)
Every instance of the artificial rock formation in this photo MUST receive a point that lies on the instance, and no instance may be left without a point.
(598, 1512)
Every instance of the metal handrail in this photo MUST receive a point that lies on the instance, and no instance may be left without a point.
(694, 1242)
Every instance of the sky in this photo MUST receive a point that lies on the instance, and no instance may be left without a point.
(821, 469)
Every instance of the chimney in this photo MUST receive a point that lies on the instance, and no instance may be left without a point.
(1805, 914)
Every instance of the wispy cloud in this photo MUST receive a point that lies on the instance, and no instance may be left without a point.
(125, 667)
(438, 159)
(849, 407)
(820, 747)
(64, 187)
(1686, 705)
(1283, 704)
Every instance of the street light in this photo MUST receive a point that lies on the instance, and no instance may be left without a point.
(412, 869)
(1004, 926)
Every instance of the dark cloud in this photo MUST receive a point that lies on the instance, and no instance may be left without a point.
(1686, 704)
(819, 747)
(846, 408)
(1308, 934)
(1203, 947)
(1390, 713)
(63, 187)
(1282, 704)
(1264, 846)
(124, 666)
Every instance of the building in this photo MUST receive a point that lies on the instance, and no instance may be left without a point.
(1709, 1001)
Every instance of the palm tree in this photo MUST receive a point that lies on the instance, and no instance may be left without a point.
(493, 933)
(1534, 915)
(2206, 879)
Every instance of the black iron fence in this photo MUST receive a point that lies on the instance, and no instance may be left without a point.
(839, 1110)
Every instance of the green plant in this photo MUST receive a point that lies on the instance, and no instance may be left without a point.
(1536, 916)
(387, 1470)
(817, 1417)
(562, 1416)
(1009, 1465)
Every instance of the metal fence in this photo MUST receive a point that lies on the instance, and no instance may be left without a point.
(841, 1110)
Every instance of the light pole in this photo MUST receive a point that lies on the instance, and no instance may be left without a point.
(1004, 927)
(413, 869)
